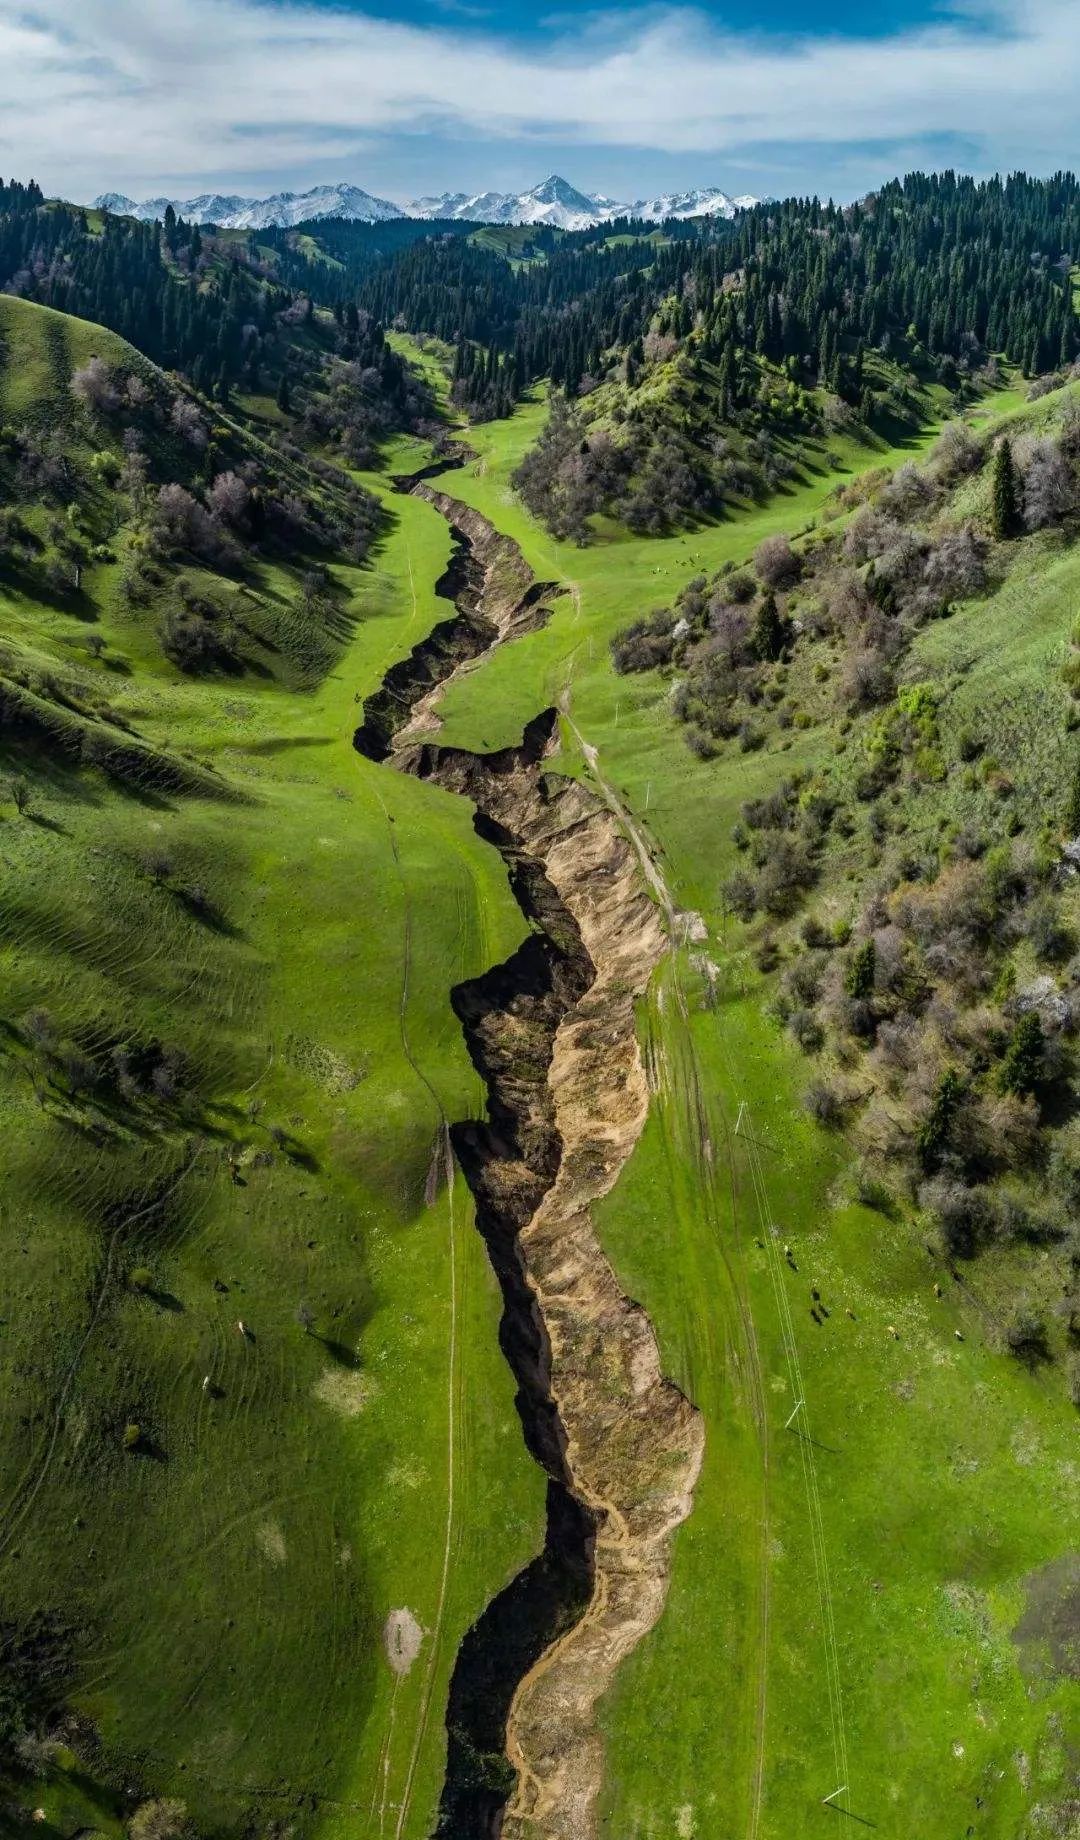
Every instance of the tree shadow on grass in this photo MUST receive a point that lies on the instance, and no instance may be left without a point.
(339, 1352)
(165, 1300)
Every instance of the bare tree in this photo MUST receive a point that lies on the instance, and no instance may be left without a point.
(94, 386)
(1049, 491)
(188, 423)
(229, 499)
(956, 453)
(776, 563)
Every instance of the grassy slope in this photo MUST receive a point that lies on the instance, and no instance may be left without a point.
(941, 1477)
(228, 1599)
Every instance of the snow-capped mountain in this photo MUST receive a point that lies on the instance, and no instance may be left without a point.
(554, 202)
(560, 203)
(283, 209)
(707, 202)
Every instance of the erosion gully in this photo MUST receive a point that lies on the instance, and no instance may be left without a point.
(552, 1033)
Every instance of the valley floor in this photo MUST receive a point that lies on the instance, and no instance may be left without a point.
(862, 1599)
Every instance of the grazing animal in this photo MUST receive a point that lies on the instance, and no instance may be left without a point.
(937, 1290)
(206, 1383)
(895, 1333)
(850, 1314)
(242, 1326)
(958, 1335)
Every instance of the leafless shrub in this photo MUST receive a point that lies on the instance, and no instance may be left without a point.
(181, 523)
(95, 387)
(1042, 386)
(956, 566)
(867, 679)
(188, 423)
(870, 534)
(908, 492)
(807, 1030)
(1049, 488)
(898, 1042)
(825, 1103)
(956, 453)
(847, 602)
(776, 563)
(230, 499)
(729, 625)
(788, 870)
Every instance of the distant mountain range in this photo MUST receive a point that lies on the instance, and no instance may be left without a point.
(283, 209)
(555, 202)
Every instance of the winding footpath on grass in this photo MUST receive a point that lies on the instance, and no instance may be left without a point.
(552, 1032)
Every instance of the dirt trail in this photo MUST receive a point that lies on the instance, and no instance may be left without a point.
(553, 1034)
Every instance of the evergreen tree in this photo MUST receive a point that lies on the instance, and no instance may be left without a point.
(284, 402)
(1019, 1071)
(1072, 809)
(772, 632)
(1005, 501)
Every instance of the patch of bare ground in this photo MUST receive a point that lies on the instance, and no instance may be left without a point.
(402, 1636)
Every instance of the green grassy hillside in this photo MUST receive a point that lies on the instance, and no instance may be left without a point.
(226, 1061)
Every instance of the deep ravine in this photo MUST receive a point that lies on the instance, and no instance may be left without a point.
(552, 1033)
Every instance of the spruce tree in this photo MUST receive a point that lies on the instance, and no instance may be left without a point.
(771, 631)
(1072, 809)
(1005, 503)
(283, 400)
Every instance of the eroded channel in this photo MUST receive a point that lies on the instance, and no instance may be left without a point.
(552, 1033)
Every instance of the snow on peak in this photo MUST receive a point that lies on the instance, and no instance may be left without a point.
(284, 209)
(554, 201)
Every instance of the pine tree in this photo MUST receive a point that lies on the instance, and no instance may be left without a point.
(1072, 809)
(771, 631)
(1005, 502)
(283, 400)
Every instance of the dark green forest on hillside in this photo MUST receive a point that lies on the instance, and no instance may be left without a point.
(959, 268)
(213, 307)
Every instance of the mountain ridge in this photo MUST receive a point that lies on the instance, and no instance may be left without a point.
(553, 202)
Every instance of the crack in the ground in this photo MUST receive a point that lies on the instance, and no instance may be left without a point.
(552, 1033)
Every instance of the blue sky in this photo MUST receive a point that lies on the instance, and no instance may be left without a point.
(411, 96)
(534, 24)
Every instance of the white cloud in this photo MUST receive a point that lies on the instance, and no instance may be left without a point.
(147, 93)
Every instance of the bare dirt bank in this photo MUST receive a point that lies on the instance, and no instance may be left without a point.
(552, 1031)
